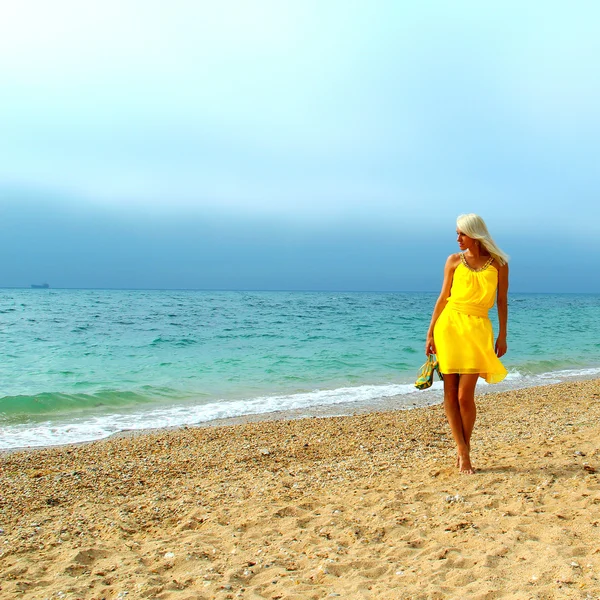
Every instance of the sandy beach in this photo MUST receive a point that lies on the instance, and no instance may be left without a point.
(368, 506)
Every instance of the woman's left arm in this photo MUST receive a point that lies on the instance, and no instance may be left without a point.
(502, 302)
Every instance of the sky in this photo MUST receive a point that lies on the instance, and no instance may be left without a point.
(321, 145)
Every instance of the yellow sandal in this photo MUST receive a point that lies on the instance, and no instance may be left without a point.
(425, 378)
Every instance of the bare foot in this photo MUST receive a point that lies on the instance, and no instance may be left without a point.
(458, 457)
(465, 465)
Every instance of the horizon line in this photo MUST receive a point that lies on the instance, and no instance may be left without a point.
(311, 291)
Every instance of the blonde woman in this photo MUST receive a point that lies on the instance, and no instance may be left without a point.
(460, 333)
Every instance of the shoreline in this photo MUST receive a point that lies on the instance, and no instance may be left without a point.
(403, 402)
(365, 506)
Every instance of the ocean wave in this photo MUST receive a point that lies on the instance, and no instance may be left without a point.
(180, 342)
(81, 427)
(572, 373)
(56, 404)
(102, 425)
(520, 378)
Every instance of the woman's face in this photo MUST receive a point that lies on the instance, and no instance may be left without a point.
(464, 241)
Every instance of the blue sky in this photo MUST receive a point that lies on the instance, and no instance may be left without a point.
(296, 145)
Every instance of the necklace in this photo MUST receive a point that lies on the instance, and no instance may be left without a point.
(490, 260)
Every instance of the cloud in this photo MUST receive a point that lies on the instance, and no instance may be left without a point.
(386, 116)
(72, 244)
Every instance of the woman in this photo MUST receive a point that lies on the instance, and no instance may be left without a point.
(460, 333)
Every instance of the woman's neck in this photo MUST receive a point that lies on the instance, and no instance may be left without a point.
(477, 252)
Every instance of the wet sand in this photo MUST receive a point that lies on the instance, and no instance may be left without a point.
(369, 506)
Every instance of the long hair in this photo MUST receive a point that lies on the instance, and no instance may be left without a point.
(474, 226)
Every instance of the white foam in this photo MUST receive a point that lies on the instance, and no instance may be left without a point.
(572, 373)
(516, 379)
(94, 428)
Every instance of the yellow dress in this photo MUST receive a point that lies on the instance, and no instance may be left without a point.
(463, 336)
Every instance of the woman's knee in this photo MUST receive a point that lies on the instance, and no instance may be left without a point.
(466, 399)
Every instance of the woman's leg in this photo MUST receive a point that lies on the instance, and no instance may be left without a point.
(466, 402)
(459, 406)
(452, 410)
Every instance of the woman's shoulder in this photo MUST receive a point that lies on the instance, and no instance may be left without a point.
(500, 267)
(453, 260)
(451, 263)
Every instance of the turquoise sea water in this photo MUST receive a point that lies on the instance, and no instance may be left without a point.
(81, 364)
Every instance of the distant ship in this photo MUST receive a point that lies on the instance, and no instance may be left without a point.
(42, 286)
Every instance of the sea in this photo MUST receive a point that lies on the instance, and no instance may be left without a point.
(81, 365)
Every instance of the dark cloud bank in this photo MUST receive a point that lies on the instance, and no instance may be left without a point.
(82, 247)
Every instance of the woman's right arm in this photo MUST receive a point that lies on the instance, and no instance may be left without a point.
(451, 265)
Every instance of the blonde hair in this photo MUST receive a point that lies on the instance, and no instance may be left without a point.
(474, 226)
